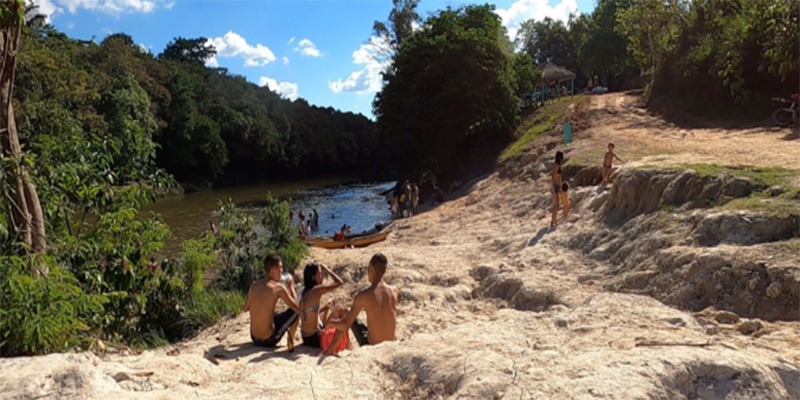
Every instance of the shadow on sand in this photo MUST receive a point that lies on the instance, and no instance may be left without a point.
(540, 235)
(236, 351)
(794, 135)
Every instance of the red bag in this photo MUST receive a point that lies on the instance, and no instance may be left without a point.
(326, 337)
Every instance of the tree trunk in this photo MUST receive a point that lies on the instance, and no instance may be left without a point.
(27, 218)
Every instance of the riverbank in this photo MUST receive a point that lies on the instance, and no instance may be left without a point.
(353, 202)
(643, 292)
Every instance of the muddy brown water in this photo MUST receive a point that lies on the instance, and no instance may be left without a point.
(338, 201)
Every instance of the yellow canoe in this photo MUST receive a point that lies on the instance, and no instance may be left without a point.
(355, 241)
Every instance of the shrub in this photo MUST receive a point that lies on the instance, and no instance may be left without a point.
(207, 307)
(244, 244)
(42, 315)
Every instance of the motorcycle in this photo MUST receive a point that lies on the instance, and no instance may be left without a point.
(785, 116)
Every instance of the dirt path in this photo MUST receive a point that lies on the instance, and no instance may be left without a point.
(644, 138)
(493, 304)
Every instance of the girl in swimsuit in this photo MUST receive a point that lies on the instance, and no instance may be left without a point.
(556, 186)
(312, 316)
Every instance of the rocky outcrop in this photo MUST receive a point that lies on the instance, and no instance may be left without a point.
(746, 228)
(659, 237)
(644, 191)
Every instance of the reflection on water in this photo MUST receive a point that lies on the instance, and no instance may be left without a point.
(357, 204)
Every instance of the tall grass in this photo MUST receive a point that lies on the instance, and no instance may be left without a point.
(206, 307)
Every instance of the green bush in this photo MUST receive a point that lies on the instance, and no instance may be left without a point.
(244, 244)
(282, 236)
(42, 315)
(197, 256)
(207, 307)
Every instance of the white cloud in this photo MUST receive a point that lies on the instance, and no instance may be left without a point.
(70, 25)
(47, 8)
(291, 40)
(142, 48)
(169, 5)
(522, 10)
(288, 90)
(308, 48)
(212, 62)
(234, 45)
(285, 60)
(110, 6)
(368, 79)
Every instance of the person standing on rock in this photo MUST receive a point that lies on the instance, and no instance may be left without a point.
(555, 187)
(565, 199)
(266, 327)
(379, 300)
(608, 160)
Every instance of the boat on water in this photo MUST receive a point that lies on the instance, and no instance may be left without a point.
(354, 241)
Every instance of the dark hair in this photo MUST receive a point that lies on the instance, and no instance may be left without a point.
(564, 187)
(612, 145)
(271, 261)
(379, 262)
(308, 277)
(559, 157)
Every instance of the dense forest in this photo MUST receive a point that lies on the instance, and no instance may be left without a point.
(91, 132)
(454, 83)
(202, 125)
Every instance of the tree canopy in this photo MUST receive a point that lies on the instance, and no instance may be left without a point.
(450, 100)
(202, 125)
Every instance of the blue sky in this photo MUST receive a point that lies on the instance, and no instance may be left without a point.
(319, 50)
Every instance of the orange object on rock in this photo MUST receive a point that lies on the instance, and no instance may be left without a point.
(326, 338)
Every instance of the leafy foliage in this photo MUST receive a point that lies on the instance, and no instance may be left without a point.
(729, 51)
(202, 125)
(451, 94)
(209, 306)
(245, 243)
(547, 40)
(40, 314)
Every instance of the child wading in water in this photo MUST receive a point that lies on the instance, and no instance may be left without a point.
(565, 199)
(607, 161)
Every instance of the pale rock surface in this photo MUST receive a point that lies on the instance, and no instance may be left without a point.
(494, 304)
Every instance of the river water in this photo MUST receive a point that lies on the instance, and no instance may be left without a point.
(360, 205)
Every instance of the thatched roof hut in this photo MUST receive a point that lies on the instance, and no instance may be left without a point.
(555, 73)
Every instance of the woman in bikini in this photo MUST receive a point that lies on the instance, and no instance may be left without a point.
(555, 187)
(312, 316)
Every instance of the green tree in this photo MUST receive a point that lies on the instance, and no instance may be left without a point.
(451, 94)
(24, 209)
(195, 51)
(399, 27)
(547, 40)
(652, 27)
(525, 73)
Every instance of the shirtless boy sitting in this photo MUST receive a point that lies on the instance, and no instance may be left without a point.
(266, 327)
(379, 301)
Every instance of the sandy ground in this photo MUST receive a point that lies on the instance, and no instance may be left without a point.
(645, 139)
(493, 304)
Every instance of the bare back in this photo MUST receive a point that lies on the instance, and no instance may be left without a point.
(380, 304)
(261, 301)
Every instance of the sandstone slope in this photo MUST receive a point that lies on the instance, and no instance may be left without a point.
(628, 299)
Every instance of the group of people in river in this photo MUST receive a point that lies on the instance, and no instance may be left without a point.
(404, 200)
(323, 325)
(560, 189)
(306, 225)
